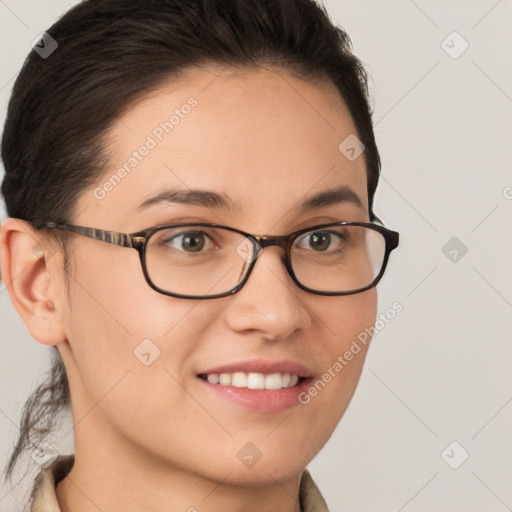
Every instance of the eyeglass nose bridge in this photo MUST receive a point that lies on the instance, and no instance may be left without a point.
(267, 241)
(259, 243)
(262, 241)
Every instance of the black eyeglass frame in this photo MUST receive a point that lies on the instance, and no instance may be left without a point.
(139, 241)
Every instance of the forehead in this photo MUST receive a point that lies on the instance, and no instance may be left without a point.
(262, 137)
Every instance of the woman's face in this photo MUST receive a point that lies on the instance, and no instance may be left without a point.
(266, 142)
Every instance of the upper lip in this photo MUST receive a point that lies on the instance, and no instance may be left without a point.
(262, 366)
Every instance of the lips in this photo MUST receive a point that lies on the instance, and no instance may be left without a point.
(261, 366)
(258, 385)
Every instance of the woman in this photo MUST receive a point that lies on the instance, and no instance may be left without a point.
(189, 187)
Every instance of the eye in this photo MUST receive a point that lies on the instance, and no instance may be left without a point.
(322, 241)
(189, 241)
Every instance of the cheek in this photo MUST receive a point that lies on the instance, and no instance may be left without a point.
(117, 323)
(347, 319)
(347, 322)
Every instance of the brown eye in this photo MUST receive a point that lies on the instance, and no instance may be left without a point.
(321, 241)
(189, 241)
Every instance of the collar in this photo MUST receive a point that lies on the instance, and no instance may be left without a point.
(45, 499)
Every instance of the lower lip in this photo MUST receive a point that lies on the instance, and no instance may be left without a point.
(261, 400)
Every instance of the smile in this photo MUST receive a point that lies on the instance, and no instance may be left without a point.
(253, 380)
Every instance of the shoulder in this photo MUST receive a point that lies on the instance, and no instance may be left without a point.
(44, 497)
(311, 499)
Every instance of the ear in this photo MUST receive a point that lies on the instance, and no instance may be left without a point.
(25, 254)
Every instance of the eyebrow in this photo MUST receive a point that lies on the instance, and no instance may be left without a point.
(211, 199)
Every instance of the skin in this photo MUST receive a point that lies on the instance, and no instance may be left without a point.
(152, 437)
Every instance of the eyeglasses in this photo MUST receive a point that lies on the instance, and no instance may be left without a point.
(207, 261)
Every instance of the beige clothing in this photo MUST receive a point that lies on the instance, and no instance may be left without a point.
(45, 499)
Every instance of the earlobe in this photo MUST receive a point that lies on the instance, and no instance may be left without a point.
(24, 257)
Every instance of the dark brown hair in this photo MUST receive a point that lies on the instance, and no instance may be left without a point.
(109, 54)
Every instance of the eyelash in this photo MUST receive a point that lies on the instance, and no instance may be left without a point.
(166, 241)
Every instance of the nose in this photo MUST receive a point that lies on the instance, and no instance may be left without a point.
(270, 303)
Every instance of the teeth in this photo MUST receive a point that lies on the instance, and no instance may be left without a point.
(213, 378)
(254, 380)
(225, 379)
(239, 380)
(274, 381)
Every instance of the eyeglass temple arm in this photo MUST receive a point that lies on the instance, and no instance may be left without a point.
(109, 237)
(392, 237)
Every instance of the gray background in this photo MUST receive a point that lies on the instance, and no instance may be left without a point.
(440, 371)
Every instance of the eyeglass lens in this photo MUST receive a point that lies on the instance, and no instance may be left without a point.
(204, 260)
